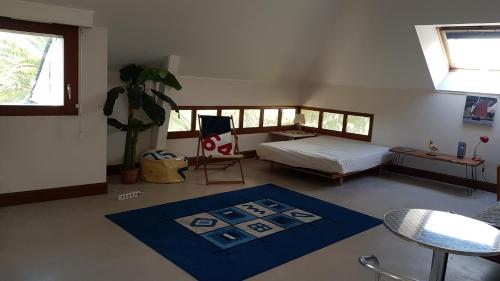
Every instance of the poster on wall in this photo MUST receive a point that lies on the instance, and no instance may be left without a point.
(480, 110)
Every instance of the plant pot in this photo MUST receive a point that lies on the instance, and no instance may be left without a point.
(130, 176)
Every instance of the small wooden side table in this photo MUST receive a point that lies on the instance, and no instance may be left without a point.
(401, 152)
(294, 134)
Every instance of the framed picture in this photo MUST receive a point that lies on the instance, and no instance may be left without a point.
(480, 110)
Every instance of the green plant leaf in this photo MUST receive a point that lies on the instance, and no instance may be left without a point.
(154, 111)
(148, 74)
(117, 124)
(111, 98)
(171, 81)
(130, 73)
(166, 99)
(158, 75)
(135, 97)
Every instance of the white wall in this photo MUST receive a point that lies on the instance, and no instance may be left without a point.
(373, 62)
(199, 92)
(49, 152)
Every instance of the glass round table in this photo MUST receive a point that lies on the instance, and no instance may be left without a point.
(445, 233)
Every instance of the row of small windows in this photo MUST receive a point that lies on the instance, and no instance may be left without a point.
(356, 124)
(182, 122)
(270, 117)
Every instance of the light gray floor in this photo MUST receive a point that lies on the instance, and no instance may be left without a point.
(71, 239)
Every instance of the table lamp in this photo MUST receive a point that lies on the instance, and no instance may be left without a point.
(299, 120)
(482, 139)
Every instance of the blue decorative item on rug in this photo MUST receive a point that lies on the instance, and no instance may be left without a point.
(238, 234)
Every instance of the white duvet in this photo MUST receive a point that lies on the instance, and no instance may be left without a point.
(326, 154)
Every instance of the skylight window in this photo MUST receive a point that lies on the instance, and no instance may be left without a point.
(472, 48)
(462, 58)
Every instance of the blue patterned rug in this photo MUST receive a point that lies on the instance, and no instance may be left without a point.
(238, 234)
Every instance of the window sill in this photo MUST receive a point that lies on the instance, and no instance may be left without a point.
(471, 81)
(14, 110)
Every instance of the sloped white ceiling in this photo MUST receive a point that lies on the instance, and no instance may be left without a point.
(235, 39)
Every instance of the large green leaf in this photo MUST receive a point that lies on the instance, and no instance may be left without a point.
(158, 75)
(171, 81)
(150, 74)
(117, 124)
(135, 97)
(111, 99)
(154, 111)
(130, 73)
(166, 99)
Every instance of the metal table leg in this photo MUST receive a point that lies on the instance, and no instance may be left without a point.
(472, 177)
(438, 266)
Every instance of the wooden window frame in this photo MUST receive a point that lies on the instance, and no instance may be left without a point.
(71, 67)
(444, 41)
(193, 133)
(343, 133)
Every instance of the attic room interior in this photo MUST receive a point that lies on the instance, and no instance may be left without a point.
(249, 140)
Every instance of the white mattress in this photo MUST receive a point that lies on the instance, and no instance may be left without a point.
(326, 154)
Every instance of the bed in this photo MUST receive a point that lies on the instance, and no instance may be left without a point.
(326, 156)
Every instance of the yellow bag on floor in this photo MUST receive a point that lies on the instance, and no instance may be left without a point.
(161, 166)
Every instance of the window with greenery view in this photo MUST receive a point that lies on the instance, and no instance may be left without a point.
(287, 116)
(31, 69)
(312, 117)
(232, 112)
(38, 68)
(271, 117)
(266, 119)
(180, 122)
(209, 112)
(333, 121)
(358, 125)
(251, 118)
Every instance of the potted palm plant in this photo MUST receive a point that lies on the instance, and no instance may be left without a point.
(139, 98)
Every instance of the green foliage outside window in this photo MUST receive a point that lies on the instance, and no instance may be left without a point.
(358, 125)
(312, 118)
(180, 122)
(21, 58)
(333, 121)
(251, 118)
(235, 113)
(271, 117)
(287, 116)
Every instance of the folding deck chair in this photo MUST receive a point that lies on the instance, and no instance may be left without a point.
(217, 149)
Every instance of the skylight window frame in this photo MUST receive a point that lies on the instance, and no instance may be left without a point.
(444, 41)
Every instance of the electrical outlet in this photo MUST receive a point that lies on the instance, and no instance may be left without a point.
(129, 195)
